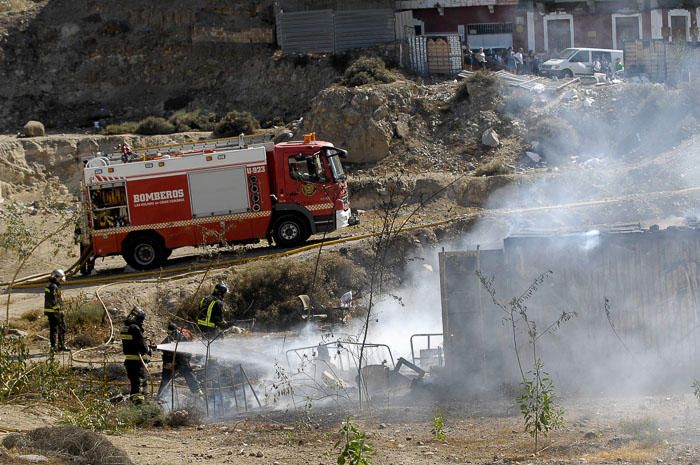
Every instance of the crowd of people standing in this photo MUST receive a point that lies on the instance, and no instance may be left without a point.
(514, 61)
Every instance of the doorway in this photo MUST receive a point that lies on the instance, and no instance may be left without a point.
(679, 28)
(558, 34)
(626, 28)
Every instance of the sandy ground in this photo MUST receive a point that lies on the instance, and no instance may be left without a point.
(477, 432)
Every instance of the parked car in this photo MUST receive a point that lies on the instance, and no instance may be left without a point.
(572, 62)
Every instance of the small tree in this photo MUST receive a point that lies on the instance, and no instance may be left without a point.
(23, 238)
(353, 445)
(696, 389)
(538, 405)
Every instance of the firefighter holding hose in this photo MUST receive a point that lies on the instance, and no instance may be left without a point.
(136, 353)
(53, 309)
(211, 312)
(175, 362)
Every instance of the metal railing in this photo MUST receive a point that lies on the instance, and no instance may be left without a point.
(414, 359)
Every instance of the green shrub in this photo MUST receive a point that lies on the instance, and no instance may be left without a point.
(84, 319)
(81, 312)
(353, 447)
(155, 125)
(21, 376)
(236, 123)
(197, 120)
(98, 413)
(368, 70)
(128, 127)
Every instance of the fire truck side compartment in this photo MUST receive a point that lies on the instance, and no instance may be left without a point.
(219, 192)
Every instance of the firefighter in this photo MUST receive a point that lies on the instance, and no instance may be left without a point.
(179, 363)
(53, 309)
(211, 311)
(126, 152)
(136, 353)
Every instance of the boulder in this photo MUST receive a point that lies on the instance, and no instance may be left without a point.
(33, 129)
(401, 129)
(490, 138)
(534, 157)
(87, 146)
(360, 119)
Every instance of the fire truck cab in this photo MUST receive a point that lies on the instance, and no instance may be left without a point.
(147, 203)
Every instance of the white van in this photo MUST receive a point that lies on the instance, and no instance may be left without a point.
(572, 62)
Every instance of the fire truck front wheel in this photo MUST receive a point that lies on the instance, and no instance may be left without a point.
(144, 251)
(290, 231)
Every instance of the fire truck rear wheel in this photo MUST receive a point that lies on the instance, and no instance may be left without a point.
(144, 252)
(290, 231)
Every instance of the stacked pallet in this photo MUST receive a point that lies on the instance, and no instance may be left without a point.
(438, 56)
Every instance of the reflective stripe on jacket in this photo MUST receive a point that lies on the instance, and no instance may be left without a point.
(133, 343)
(207, 321)
(52, 298)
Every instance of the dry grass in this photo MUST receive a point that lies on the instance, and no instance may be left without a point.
(629, 453)
(128, 127)
(269, 291)
(644, 430)
(32, 315)
(368, 70)
(493, 167)
(83, 447)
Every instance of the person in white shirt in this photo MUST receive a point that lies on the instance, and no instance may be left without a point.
(481, 58)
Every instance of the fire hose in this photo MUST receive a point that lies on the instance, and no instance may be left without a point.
(36, 281)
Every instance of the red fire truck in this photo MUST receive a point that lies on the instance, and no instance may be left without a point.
(145, 203)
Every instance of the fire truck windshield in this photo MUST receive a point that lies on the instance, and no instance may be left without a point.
(336, 166)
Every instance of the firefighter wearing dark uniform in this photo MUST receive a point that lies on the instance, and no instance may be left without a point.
(180, 364)
(53, 309)
(211, 311)
(136, 353)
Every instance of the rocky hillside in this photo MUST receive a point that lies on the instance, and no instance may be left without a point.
(27, 162)
(69, 62)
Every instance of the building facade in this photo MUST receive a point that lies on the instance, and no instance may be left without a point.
(552, 25)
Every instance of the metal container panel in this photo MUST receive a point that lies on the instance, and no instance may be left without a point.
(363, 28)
(306, 31)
